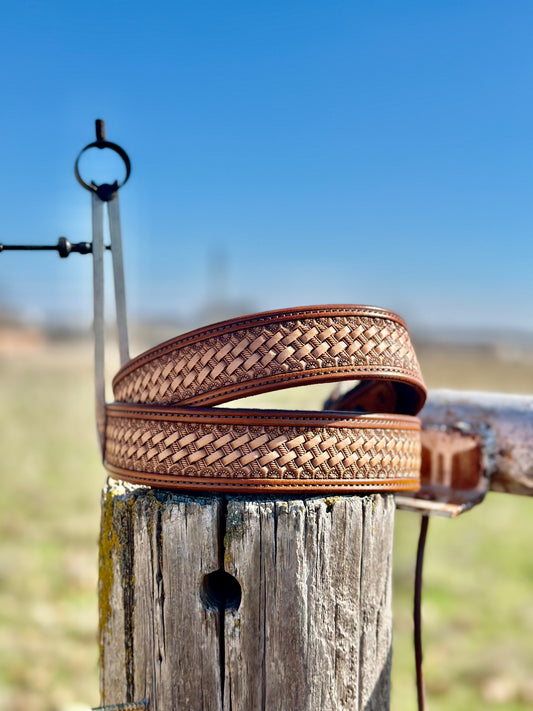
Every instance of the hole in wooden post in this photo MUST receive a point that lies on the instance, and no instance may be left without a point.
(221, 590)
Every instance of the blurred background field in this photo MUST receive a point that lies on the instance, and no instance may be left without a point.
(478, 599)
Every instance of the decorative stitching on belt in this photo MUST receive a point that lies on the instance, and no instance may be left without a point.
(258, 320)
(220, 415)
(275, 485)
(154, 436)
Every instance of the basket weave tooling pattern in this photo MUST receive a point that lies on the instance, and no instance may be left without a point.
(164, 431)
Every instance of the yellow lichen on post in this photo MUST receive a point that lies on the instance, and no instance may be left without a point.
(107, 545)
(114, 580)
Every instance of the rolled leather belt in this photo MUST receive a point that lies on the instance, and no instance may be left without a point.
(165, 429)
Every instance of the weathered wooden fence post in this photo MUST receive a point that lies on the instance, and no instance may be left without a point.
(300, 619)
(257, 602)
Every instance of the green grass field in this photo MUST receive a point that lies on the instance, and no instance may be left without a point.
(478, 597)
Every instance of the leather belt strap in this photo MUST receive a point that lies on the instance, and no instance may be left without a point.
(165, 431)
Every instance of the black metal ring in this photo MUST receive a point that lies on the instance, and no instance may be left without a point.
(108, 190)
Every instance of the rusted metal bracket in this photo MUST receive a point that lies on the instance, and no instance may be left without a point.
(505, 424)
(453, 476)
(500, 457)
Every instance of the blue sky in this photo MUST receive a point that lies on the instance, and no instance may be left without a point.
(356, 152)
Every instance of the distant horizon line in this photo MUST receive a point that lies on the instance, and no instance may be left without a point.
(423, 333)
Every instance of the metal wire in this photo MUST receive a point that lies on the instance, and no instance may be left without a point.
(417, 615)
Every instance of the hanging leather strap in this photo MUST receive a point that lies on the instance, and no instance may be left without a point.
(101, 195)
(98, 314)
(98, 250)
(164, 430)
(115, 236)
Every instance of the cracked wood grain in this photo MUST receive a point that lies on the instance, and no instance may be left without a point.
(161, 547)
(313, 627)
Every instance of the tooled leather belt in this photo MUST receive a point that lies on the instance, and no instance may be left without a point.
(165, 429)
